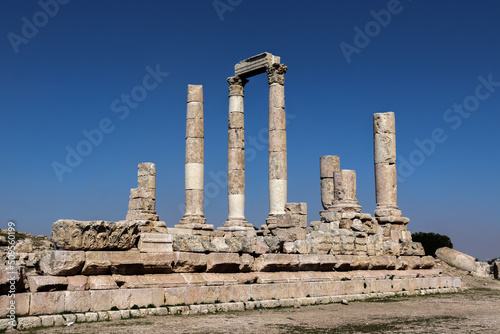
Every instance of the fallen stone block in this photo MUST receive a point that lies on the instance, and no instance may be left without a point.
(462, 261)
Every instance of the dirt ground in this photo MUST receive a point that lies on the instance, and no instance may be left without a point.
(476, 310)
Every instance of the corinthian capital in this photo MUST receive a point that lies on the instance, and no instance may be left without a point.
(236, 85)
(276, 73)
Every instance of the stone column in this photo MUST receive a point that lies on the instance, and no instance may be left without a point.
(328, 164)
(236, 156)
(143, 198)
(277, 140)
(194, 168)
(384, 144)
(345, 199)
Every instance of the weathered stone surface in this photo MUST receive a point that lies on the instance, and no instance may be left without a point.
(255, 65)
(29, 322)
(462, 261)
(95, 235)
(129, 262)
(102, 283)
(189, 262)
(6, 275)
(321, 242)
(496, 269)
(223, 262)
(47, 283)
(155, 243)
(276, 262)
(47, 302)
(290, 234)
(62, 263)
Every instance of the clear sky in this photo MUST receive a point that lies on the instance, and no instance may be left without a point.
(67, 68)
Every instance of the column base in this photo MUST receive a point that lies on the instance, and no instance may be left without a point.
(345, 207)
(387, 211)
(236, 225)
(195, 223)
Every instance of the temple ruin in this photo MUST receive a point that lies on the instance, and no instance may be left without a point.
(139, 266)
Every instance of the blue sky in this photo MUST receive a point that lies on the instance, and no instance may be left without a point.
(65, 74)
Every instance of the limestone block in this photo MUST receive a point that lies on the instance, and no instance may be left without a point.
(296, 208)
(142, 193)
(276, 97)
(47, 283)
(261, 246)
(457, 259)
(411, 248)
(321, 242)
(327, 192)
(146, 181)
(386, 184)
(277, 141)
(146, 168)
(236, 138)
(143, 297)
(94, 235)
(102, 283)
(12, 273)
(47, 320)
(328, 164)
(223, 262)
(28, 323)
(496, 269)
(47, 302)
(91, 316)
(195, 93)
(290, 234)
(273, 243)
(236, 181)
(344, 185)
(155, 243)
(384, 122)
(77, 301)
(68, 317)
(194, 202)
(195, 150)
(234, 245)
(277, 118)
(236, 120)
(276, 262)
(144, 204)
(131, 262)
(302, 246)
(189, 262)
(277, 165)
(195, 128)
(175, 296)
(61, 263)
(255, 65)
(194, 111)
(385, 148)
(114, 315)
(236, 158)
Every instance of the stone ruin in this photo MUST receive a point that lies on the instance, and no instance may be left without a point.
(110, 270)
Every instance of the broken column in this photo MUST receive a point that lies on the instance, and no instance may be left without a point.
(384, 144)
(328, 164)
(277, 140)
(236, 157)
(143, 198)
(194, 167)
(345, 191)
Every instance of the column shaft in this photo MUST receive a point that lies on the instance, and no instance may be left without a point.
(194, 167)
(384, 147)
(328, 164)
(277, 140)
(236, 155)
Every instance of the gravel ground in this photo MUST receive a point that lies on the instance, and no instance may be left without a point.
(477, 310)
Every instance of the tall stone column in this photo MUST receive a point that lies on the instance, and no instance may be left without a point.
(277, 140)
(384, 145)
(236, 156)
(328, 164)
(345, 199)
(194, 168)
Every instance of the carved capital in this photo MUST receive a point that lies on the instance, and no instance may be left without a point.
(236, 85)
(276, 73)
